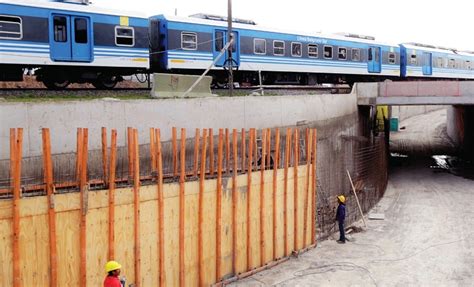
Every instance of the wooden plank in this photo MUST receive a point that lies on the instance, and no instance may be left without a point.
(130, 153)
(219, 204)
(295, 189)
(227, 152)
(211, 152)
(16, 144)
(196, 152)
(136, 209)
(182, 208)
(249, 191)
(314, 186)
(268, 142)
(276, 159)
(262, 198)
(84, 209)
(112, 171)
(242, 150)
(104, 153)
(174, 142)
(152, 150)
(78, 153)
(202, 179)
(161, 214)
(285, 192)
(234, 202)
(308, 140)
(49, 183)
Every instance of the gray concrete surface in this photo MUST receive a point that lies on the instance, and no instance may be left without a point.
(216, 112)
(175, 86)
(425, 239)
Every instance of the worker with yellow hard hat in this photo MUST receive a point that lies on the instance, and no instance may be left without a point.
(112, 268)
(340, 217)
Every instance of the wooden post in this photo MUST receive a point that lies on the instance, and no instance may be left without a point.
(276, 159)
(174, 142)
(161, 213)
(227, 152)
(242, 149)
(356, 197)
(104, 154)
(84, 209)
(49, 184)
(234, 201)
(196, 152)
(269, 148)
(249, 192)
(285, 191)
(202, 179)
(112, 170)
(314, 181)
(182, 178)
(80, 136)
(211, 152)
(130, 153)
(262, 198)
(136, 209)
(219, 204)
(295, 191)
(308, 140)
(153, 150)
(16, 146)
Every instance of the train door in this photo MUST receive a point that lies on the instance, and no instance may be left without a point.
(427, 64)
(374, 59)
(70, 39)
(220, 40)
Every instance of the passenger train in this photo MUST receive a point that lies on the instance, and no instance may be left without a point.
(66, 42)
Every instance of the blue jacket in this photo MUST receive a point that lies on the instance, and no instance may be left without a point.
(341, 212)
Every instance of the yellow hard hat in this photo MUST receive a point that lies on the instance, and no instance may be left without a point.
(341, 198)
(111, 266)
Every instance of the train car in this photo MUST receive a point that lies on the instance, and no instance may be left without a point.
(426, 61)
(68, 43)
(190, 45)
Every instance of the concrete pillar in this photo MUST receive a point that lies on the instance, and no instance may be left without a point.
(460, 128)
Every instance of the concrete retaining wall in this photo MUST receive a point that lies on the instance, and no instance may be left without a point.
(405, 112)
(238, 112)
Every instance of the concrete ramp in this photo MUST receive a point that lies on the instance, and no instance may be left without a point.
(175, 86)
(416, 93)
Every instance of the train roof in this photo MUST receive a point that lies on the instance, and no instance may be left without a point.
(74, 7)
(193, 20)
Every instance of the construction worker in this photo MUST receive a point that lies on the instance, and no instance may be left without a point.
(340, 217)
(112, 268)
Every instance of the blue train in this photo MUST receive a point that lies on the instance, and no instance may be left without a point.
(67, 43)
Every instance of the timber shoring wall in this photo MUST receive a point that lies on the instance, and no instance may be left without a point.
(244, 206)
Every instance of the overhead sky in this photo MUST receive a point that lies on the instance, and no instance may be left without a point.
(442, 23)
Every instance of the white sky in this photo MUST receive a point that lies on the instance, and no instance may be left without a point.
(443, 23)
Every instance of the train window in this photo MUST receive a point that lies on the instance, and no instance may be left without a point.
(124, 36)
(468, 65)
(356, 55)
(296, 49)
(312, 51)
(370, 53)
(219, 40)
(413, 59)
(342, 53)
(439, 62)
(278, 48)
(392, 58)
(260, 46)
(60, 28)
(328, 52)
(11, 28)
(80, 30)
(189, 41)
(452, 63)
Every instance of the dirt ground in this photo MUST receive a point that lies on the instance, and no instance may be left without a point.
(424, 239)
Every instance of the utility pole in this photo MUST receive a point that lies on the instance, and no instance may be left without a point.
(229, 52)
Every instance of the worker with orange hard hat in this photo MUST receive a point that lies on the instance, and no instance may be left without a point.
(340, 217)
(112, 268)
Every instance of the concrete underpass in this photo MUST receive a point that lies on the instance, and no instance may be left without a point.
(424, 238)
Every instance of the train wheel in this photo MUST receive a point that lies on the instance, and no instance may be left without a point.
(106, 82)
(56, 84)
